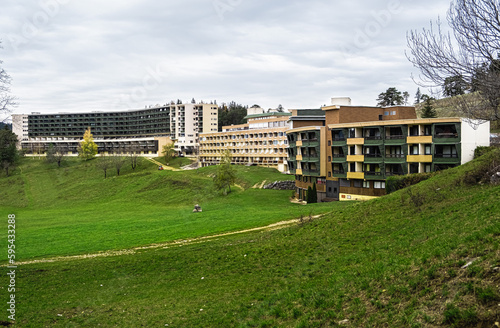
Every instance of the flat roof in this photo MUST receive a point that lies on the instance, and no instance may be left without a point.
(267, 114)
(396, 122)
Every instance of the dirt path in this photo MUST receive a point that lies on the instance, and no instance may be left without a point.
(175, 243)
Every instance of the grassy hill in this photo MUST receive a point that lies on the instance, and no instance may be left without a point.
(445, 107)
(74, 210)
(427, 256)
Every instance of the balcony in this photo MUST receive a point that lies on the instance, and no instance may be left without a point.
(419, 159)
(395, 158)
(355, 141)
(419, 139)
(373, 174)
(356, 175)
(355, 158)
(440, 155)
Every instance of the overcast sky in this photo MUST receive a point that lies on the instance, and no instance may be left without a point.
(68, 55)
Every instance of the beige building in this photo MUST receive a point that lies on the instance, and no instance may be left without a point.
(262, 141)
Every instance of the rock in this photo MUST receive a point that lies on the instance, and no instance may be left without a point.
(344, 322)
(281, 185)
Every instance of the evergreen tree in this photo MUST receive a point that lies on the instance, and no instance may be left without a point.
(391, 97)
(8, 150)
(454, 86)
(314, 197)
(232, 113)
(418, 96)
(309, 198)
(428, 110)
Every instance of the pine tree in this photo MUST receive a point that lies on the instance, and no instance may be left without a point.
(309, 199)
(87, 148)
(428, 110)
(418, 96)
(314, 194)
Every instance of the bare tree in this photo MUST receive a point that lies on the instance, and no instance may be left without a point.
(469, 53)
(104, 163)
(7, 101)
(134, 156)
(118, 161)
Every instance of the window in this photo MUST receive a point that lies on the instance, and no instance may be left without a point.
(345, 183)
(393, 112)
(428, 149)
(329, 174)
(379, 184)
(357, 183)
(386, 113)
(366, 184)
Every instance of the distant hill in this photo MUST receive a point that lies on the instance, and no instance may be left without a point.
(445, 108)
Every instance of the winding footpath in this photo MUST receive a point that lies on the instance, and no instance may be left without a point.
(175, 243)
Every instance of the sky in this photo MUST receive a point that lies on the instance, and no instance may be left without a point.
(73, 56)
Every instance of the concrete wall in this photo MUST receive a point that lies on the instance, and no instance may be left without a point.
(473, 137)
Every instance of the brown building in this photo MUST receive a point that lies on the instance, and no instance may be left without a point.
(363, 146)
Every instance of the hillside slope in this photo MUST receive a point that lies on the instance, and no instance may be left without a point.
(427, 256)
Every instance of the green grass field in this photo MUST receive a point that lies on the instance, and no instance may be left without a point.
(74, 210)
(397, 261)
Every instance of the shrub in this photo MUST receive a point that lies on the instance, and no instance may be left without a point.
(396, 183)
(481, 150)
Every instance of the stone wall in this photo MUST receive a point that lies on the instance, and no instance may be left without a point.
(281, 185)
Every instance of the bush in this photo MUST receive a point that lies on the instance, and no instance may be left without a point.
(482, 150)
(396, 183)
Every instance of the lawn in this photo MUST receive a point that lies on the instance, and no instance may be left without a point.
(390, 262)
(74, 210)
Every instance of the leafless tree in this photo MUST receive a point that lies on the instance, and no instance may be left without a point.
(104, 163)
(470, 52)
(134, 152)
(118, 161)
(7, 101)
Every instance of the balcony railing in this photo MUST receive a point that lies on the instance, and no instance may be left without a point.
(338, 155)
(395, 137)
(394, 155)
(338, 172)
(373, 138)
(372, 173)
(339, 138)
(446, 135)
(392, 173)
(373, 155)
(439, 155)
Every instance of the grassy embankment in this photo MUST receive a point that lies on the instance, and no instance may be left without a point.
(393, 262)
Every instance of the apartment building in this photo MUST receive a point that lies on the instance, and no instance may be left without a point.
(261, 141)
(363, 146)
(145, 130)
